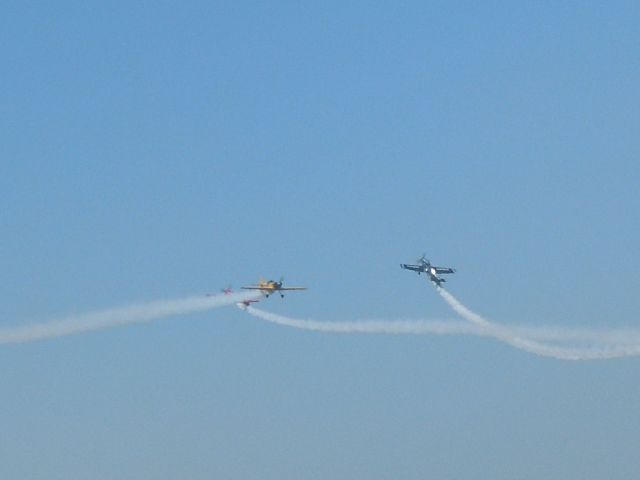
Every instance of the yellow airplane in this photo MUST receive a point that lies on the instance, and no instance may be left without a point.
(269, 286)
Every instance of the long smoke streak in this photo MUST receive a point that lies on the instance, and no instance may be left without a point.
(138, 313)
(396, 327)
(512, 338)
(606, 343)
(615, 338)
(615, 344)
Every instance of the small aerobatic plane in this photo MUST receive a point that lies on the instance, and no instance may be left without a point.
(246, 303)
(425, 266)
(267, 287)
(229, 291)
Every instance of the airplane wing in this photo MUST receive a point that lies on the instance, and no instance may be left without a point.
(415, 268)
(444, 270)
(255, 287)
(293, 288)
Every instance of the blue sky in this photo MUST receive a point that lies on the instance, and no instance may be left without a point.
(154, 150)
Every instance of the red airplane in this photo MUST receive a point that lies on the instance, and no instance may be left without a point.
(242, 304)
(226, 291)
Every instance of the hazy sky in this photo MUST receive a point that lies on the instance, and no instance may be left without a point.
(163, 149)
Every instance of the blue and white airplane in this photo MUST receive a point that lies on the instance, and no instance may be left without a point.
(424, 266)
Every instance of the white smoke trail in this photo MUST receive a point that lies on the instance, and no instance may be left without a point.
(615, 338)
(511, 335)
(594, 336)
(138, 313)
(512, 338)
(396, 327)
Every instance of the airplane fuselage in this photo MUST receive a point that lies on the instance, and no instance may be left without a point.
(424, 266)
(267, 287)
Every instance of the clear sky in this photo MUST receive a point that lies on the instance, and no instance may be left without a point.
(161, 149)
